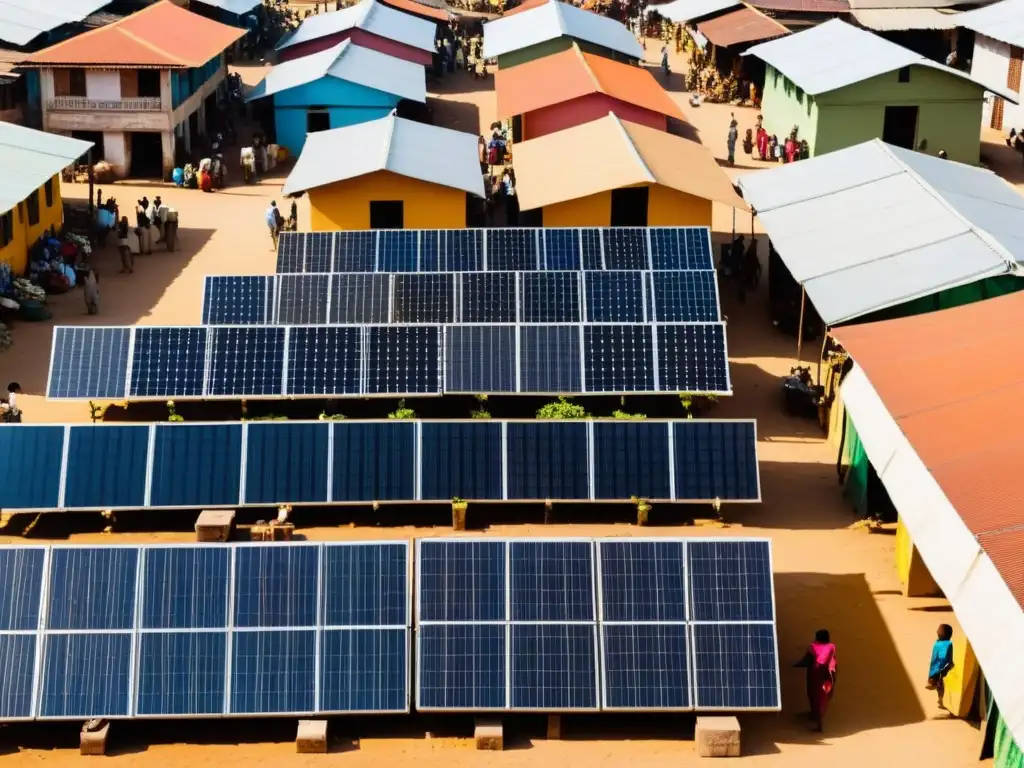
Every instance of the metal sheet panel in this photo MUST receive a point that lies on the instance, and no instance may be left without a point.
(106, 467)
(18, 656)
(181, 673)
(273, 672)
(286, 463)
(86, 676)
(19, 600)
(682, 11)
(185, 587)
(364, 670)
(30, 158)
(92, 588)
(196, 465)
(553, 20)
(1001, 21)
(30, 472)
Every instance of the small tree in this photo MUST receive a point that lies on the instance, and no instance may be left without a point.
(563, 408)
(172, 413)
(401, 412)
(618, 414)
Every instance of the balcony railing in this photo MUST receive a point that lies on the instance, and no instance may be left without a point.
(85, 104)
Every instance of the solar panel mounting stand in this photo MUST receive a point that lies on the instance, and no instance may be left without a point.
(93, 738)
(489, 734)
(215, 525)
(311, 737)
(554, 727)
(549, 512)
(718, 737)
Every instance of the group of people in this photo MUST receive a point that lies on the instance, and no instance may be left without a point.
(276, 222)
(154, 222)
(462, 52)
(768, 146)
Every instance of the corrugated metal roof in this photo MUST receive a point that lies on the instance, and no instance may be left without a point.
(682, 11)
(1002, 21)
(29, 158)
(873, 226)
(897, 19)
(804, 6)
(835, 54)
(416, 150)
(744, 25)
(902, 4)
(438, 13)
(525, 6)
(347, 61)
(237, 7)
(21, 21)
(553, 20)
(372, 17)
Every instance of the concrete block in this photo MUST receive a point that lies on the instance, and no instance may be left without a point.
(554, 727)
(489, 734)
(311, 738)
(215, 524)
(93, 739)
(718, 737)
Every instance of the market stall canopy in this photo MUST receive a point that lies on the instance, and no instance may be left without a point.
(553, 20)
(935, 400)
(548, 169)
(744, 25)
(369, 16)
(237, 7)
(22, 21)
(415, 150)
(873, 226)
(352, 63)
(682, 11)
(30, 158)
(899, 19)
(1002, 21)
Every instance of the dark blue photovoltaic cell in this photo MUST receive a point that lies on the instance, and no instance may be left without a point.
(168, 362)
(276, 586)
(451, 250)
(645, 666)
(681, 248)
(196, 465)
(301, 300)
(366, 585)
(461, 666)
(618, 358)
(363, 670)
(30, 471)
(359, 298)
(591, 249)
(398, 250)
(246, 361)
(461, 580)
(735, 666)
(290, 250)
(554, 666)
(18, 654)
(461, 459)
(550, 297)
(181, 673)
(561, 248)
(86, 676)
(22, 568)
(614, 297)
(324, 360)
(374, 462)
(423, 299)
(488, 297)
(403, 360)
(631, 459)
(643, 580)
(552, 581)
(89, 362)
(547, 461)
(353, 252)
(550, 358)
(185, 587)
(92, 588)
(286, 463)
(683, 297)
(625, 248)
(273, 672)
(730, 580)
(480, 358)
(318, 251)
(716, 460)
(107, 467)
(511, 249)
(691, 358)
(235, 299)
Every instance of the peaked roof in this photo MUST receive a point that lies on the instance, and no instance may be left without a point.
(161, 35)
(22, 21)
(553, 20)
(836, 54)
(742, 25)
(30, 158)
(682, 11)
(873, 226)
(436, 13)
(525, 6)
(350, 62)
(548, 170)
(1002, 21)
(572, 74)
(416, 150)
(369, 16)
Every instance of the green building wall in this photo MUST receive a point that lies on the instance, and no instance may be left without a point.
(558, 44)
(785, 106)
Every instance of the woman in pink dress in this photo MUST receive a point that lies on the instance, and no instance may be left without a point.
(820, 662)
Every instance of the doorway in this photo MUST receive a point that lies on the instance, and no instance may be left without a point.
(900, 126)
(96, 138)
(147, 160)
(629, 207)
(318, 120)
(387, 214)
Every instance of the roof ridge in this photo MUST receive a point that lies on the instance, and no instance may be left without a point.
(146, 44)
(598, 86)
(389, 135)
(370, 7)
(558, 15)
(636, 152)
(115, 25)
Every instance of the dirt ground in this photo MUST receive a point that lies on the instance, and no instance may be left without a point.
(830, 572)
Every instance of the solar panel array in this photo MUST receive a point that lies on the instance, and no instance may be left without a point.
(199, 631)
(264, 463)
(583, 625)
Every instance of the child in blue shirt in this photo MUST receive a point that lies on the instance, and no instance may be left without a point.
(942, 661)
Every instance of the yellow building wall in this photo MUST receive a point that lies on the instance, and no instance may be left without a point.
(917, 581)
(665, 208)
(15, 252)
(346, 204)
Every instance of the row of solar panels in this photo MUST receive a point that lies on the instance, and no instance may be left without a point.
(513, 248)
(462, 297)
(156, 363)
(232, 464)
(255, 629)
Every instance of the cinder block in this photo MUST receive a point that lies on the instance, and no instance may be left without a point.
(311, 738)
(554, 727)
(93, 739)
(718, 737)
(489, 734)
(215, 524)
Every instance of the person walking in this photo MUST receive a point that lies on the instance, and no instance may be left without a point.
(91, 291)
(143, 223)
(821, 666)
(123, 248)
(730, 141)
(941, 662)
(664, 60)
(171, 227)
(274, 219)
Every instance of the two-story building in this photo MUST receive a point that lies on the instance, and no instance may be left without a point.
(138, 88)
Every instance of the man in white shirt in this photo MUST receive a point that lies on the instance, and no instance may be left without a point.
(12, 413)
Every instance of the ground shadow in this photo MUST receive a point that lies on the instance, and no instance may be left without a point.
(458, 115)
(1004, 160)
(684, 129)
(461, 81)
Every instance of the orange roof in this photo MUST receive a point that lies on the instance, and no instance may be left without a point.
(525, 6)
(162, 35)
(418, 9)
(744, 25)
(571, 74)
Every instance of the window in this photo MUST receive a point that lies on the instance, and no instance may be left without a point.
(48, 189)
(149, 83)
(387, 214)
(317, 119)
(904, 75)
(33, 208)
(76, 84)
(6, 228)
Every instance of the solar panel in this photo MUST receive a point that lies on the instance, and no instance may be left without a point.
(291, 249)
(451, 250)
(512, 249)
(631, 459)
(550, 297)
(166, 362)
(88, 362)
(684, 296)
(423, 299)
(319, 251)
(552, 581)
(615, 358)
(276, 586)
(18, 655)
(488, 297)
(461, 459)
(480, 358)
(246, 361)
(646, 666)
(208, 455)
(681, 248)
(237, 300)
(735, 666)
(185, 588)
(181, 674)
(359, 298)
(731, 581)
(353, 252)
(550, 358)
(462, 667)
(93, 480)
(403, 360)
(561, 249)
(625, 248)
(615, 297)
(23, 586)
(92, 588)
(301, 299)
(31, 470)
(86, 675)
(287, 463)
(398, 251)
(692, 358)
(548, 460)
(273, 672)
(325, 360)
(374, 460)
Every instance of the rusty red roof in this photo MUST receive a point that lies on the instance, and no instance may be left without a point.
(744, 25)
(804, 6)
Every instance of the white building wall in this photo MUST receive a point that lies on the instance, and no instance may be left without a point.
(991, 64)
(104, 85)
(115, 151)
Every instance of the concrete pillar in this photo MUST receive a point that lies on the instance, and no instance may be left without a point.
(489, 734)
(718, 737)
(311, 738)
(202, 117)
(167, 145)
(93, 738)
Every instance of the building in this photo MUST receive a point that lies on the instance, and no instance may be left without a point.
(141, 89)
(30, 199)
(233, 12)
(571, 87)
(388, 174)
(434, 13)
(24, 22)
(13, 96)
(871, 88)
(998, 58)
(368, 24)
(344, 85)
(638, 177)
(554, 27)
